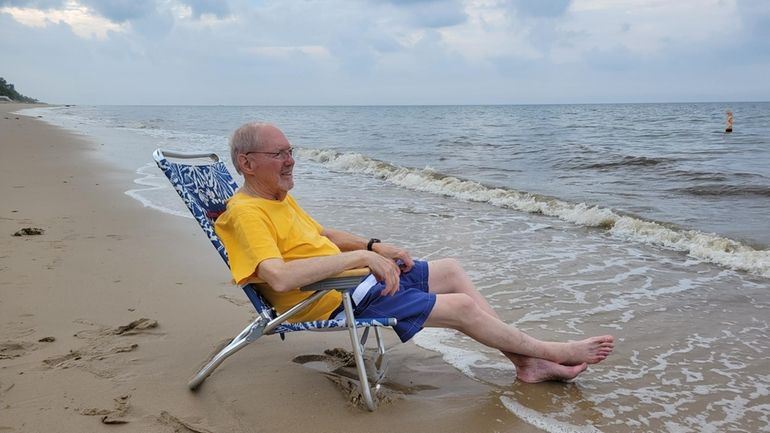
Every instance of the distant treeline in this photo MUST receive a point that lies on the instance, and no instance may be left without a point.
(6, 89)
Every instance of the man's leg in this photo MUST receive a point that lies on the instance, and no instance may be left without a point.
(448, 276)
(460, 306)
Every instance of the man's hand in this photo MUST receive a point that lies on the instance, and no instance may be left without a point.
(396, 254)
(385, 270)
(385, 261)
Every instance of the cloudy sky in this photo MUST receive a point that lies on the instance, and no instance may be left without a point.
(307, 52)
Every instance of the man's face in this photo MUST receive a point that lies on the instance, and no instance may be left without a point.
(274, 163)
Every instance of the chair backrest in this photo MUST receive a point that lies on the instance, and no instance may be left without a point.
(204, 188)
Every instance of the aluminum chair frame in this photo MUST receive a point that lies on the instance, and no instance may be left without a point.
(215, 179)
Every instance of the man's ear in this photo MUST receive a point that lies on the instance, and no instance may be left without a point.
(245, 164)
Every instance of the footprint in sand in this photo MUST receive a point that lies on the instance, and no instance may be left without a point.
(116, 415)
(18, 345)
(63, 361)
(180, 425)
(136, 327)
(14, 349)
(102, 344)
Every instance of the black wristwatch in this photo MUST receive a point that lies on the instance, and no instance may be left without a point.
(372, 241)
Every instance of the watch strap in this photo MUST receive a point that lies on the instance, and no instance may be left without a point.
(371, 243)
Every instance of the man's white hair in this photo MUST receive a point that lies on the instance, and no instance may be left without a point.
(247, 138)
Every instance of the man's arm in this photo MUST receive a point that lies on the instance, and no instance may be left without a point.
(284, 276)
(345, 241)
(349, 242)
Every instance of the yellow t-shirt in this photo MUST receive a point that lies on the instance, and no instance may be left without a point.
(255, 229)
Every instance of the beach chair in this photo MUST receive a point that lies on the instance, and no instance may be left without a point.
(204, 184)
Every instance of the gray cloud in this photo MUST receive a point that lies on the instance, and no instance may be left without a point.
(114, 10)
(122, 10)
(37, 4)
(438, 14)
(127, 10)
(219, 8)
(541, 8)
(410, 2)
(430, 13)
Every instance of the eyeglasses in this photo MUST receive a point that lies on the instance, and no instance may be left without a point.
(281, 155)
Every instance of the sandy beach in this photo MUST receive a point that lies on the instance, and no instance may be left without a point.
(107, 313)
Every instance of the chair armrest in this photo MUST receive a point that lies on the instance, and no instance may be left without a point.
(345, 280)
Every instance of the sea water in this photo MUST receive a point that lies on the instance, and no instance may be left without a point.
(646, 221)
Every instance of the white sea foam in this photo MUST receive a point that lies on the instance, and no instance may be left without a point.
(464, 360)
(537, 419)
(152, 182)
(703, 246)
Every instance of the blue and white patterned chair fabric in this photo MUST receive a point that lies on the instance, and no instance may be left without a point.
(205, 188)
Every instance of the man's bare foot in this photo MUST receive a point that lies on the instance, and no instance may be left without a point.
(591, 350)
(534, 370)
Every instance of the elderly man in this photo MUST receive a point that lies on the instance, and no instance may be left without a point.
(268, 235)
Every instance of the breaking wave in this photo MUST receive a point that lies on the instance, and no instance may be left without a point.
(704, 246)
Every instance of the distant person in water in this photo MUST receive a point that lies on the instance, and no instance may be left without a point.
(729, 127)
(269, 236)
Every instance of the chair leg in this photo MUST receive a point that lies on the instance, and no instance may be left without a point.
(358, 353)
(380, 342)
(248, 335)
(379, 362)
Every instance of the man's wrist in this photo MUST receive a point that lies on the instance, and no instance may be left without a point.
(370, 244)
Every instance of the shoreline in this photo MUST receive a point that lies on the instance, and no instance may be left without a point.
(105, 261)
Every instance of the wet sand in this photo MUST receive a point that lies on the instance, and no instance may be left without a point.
(107, 313)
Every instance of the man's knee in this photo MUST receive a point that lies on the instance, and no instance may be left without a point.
(463, 306)
(451, 268)
(454, 264)
(454, 307)
(454, 310)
